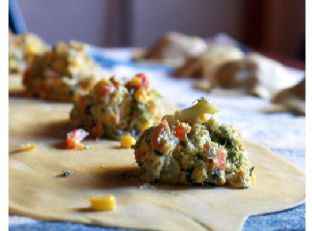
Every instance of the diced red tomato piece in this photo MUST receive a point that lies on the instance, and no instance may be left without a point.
(220, 159)
(180, 132)
(145, 82)
(74, 138)
(155, 137)
(206, 145)
(106, 89)
(139, 155)
(96, 131)
(27, 75)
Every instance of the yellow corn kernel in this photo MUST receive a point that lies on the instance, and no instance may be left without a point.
(31, 48)
(140, 96)
(253, 178)
(127, 141)
(135, 81)
(104, 203)
(27, 147)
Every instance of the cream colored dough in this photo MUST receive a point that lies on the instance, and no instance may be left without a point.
(36, 191)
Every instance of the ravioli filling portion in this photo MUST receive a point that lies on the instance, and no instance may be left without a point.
(22, 49)
(63, 73)
(115, 107)
(191, 147)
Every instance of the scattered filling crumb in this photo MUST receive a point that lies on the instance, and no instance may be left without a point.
(25, 148)
(74, 138)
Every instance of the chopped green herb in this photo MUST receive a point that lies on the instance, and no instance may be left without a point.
(251, 170)
(65, 173)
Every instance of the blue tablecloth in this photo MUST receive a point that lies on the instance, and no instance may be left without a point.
(249, 114)
(292, 219)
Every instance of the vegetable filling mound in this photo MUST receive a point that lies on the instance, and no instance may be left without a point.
(190, 147)
(22, 49)
(114, 108)
(63, 73)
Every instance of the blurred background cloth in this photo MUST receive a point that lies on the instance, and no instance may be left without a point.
(16, 20)
(273, 26)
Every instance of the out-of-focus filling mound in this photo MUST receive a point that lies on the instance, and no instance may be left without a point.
(22, 49)
(173, 49)
(115, 107)
(63, 73)
(191, 147)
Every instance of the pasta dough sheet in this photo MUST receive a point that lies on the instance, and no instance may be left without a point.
(37, 190)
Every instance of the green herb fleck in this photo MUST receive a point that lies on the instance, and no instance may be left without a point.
(65, 173)
(251, 170)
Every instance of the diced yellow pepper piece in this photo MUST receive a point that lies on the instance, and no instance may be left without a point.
(204, 117)
(253, 178)
(27, 147)
(141, 96)
(127, 141)
(201, 107)
(105, 203)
